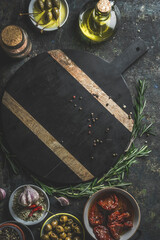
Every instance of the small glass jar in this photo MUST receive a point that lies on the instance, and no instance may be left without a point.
(99, 20)
(15, 41)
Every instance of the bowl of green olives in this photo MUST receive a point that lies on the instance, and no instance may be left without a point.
(48, 15)
(62, 226)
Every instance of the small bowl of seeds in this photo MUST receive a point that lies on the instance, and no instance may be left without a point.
(11, 231)
(29, 204)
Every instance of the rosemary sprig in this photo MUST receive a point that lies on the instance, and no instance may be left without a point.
(115, 176)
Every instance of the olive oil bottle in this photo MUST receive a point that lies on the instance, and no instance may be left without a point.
(99, 20)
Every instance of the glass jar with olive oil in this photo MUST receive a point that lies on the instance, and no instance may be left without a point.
(99, 20)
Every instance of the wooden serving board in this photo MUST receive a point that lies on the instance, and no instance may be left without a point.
(66, 115)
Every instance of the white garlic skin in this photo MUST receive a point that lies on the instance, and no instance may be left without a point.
(28, 196)
(2, 194)
(63, 201)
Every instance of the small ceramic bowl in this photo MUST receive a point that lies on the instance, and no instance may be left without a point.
(64, 13)
(125, 195)
(57, 216)
(14, 227)
(28, 222)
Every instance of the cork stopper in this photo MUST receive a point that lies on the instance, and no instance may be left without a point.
(11, 35)
(104, 6)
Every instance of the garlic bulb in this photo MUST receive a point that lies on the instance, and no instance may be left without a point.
(2, 193)
(63, 201)
(28, 196)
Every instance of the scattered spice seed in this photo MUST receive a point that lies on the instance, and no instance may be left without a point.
(95, 95)
(93, 120)
(74, 97)
(89, 119)
(131, 113)
(107, 129)
(124, 106)
(97, 140)
(94, 141)
(80, 109)
(89, 125)
(80, 98)
(92, 157)
(70, 100)
(92, 114)
(94, 144)
(75, 105)
(101, 141)
(96, 119)
(115, 154)
(89, 132)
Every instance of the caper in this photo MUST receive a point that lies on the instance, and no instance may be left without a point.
(55, 12)
(74, 225)
(48, 17)
(56, 3)
(48, 227)
(48, 4)
(63, 235)
(40, 5)
(67, 229)
(70, 221)
(76, 238)
(63, 219)
(54, 223)
(77, 230)
(59, 229)
(45, 237)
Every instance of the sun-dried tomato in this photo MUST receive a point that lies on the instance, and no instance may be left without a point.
(95, 215)
(102, 233)
(109, 202)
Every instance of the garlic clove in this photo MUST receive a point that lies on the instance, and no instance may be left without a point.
(63, 201)
(2, 194)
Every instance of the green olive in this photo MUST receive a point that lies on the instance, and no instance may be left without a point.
(77, 238)
(48, 16)
(48, 227)
(56, 3)
(70, 234)
(69, 222)
(67, 229)
(63, 219)
(53, 236)
(59, 229)
(77, 230)
(45, 237)
(48, 4)
(63, 235)
(54, 223)
(55, 12)
(74, 225)
(40, 5)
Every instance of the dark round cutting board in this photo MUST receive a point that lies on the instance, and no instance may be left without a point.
(66, 115)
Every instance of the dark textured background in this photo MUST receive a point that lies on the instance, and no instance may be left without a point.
(139, 18)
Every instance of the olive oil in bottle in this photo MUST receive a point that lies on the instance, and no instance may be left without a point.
(99, 20)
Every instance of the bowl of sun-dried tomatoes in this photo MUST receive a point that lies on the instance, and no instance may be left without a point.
(111, 214)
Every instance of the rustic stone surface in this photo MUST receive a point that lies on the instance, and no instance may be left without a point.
(138, 19)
